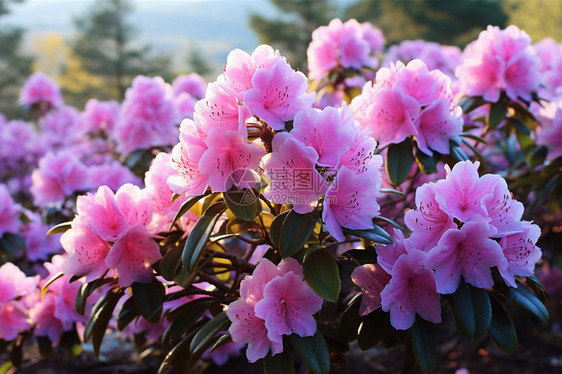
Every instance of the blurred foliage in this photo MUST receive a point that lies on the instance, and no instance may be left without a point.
(105, 47)
(14, 66)
(292, 32)
(443, 21)
(539, 18)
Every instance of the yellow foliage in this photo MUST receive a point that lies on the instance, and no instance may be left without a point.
(539, 18)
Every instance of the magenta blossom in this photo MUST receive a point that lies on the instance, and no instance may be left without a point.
(388, 254)
(9, 213)
(278, 94)
(192, 84)
(39, 88)
(466, 252)
(411, 291)
(372, 279)
(521, 253)
(100, 116)
(292, 174)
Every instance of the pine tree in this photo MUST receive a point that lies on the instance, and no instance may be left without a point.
(443, 21)
(14, 66)
(292, 32)
(105, 47)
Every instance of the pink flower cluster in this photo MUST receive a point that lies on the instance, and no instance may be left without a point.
(462, 227)
(331, 141)
(275, 301)
(436, 56)
(343, 45)
(549, 133)
(406, 100)
(148, 116)
(9, 213)
(499, 61)
(100, 116)
(15, 288)
(112, 232)
(549, 56)
(40, 89)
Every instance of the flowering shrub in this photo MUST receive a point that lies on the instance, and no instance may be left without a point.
(252, 215)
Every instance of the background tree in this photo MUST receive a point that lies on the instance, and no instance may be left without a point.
(198, 63)
(14, 66)
(106, 48)
(443, 21)
(292, 32)
(538, 17)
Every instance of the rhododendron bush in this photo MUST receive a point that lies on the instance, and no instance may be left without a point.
(281, 216)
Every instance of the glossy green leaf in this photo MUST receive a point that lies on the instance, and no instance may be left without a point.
(86, 290)
(171, 263)
(321, 273)
(208, 332)
(100, 316)
(472, 309)
(314, 352)
(399, 160)
(184, 208)
(350, 320)
(537, 156)
(184, 317)
(538, 288)
(275, 229)
(149, 299)
(295, 231)
(375, 326)
(127, 314)
(362, 256)
(526, 299)
(199, 235)
(501, 327)
(469, 103)
(45, 287)
(179, 352)
(426, 163)
(281, 363)
(61, 227)
(244, 204)
(423, 345)
(497, 114)
(376, 234)
(458, 154)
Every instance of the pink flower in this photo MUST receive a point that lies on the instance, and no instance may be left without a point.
(499, 60)
(42, 314)
(21, 147)
(13, 319)
(411, 291)
(14, 283)
(9, 213)
(148, 116)
(503, 210)
(58, 176)
(248, 329)
(443, 57)
(388, 254)
(278, 94)
(38, 246)
(549, 133)
(388, 113)
(188, 179)
(351, 201)
(292, 174)
(40, 88)
(192, 84)
(371, 279)
(521, 253)
(461, 193)
(360, 154)
(132, 256)
(112, 174)
(287, 307)
(436, 126)
(466, 252)
(329, 132)
(251, 288)
(86, 252)
(220, 108)
(100, 116)
(135, 205)
(428, 222)
(229, 152)
(61, 128)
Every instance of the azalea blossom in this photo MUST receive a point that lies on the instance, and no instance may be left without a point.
(521, 253)
(9, 213)
(39, 88)
(372, 279)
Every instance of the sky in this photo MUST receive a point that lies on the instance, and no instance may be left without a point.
(169, 26)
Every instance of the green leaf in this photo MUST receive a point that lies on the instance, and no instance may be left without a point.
(472, 309)
(101, 314)
(86, 290)
(149, 299)
(71, 341)
(171, 263)
(537, 156)
(426, 163)
(399, 160)
(497, 114)
(519, 125)
(4, 369)
(526, 299)
(376, 234)
(423, 345)
(61, 227)
(350, 320)
(184, 208)
(458, 154)
(501, 327)
(281, 363)
(244, 204)
(362, 256)
(275, 229)
(127, 314)
(469, 103)
(374, 328)
(390, 190)
(45, 287)
(295, 232)
(538, 288)
(185, 316)
(313, 351)
(321, 273)
(178, 352)
(200, 234)
(474, 137)
(208, 332)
